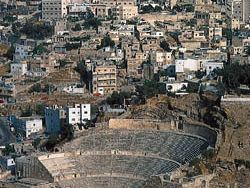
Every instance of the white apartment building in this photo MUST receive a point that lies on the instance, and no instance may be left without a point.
(77, 8)
(22, 52)
(239, 10)
(54, 9)
(79, 113)
(7, 162)
(74, 89)
(246, 11)
(186, 65)
(25, 126)
(56, 117)
(18, 68)
(215, 32)
(210, 65)
(157, 33)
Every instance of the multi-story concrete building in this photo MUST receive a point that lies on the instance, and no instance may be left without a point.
(7, 162)
(77, 9)
(117, 2)
(126, 12)
(210, 65)
(105, 79)
(54, 118)
(26, 126)
(54, 10)
(74, 89)
(78, 113)
(22, 52)
(134, 64)
(119, 9)
(161, 59)
(60, 27)
(214, 32)
(246, 11)
(239, 10)
(7, 90)
(18, 68)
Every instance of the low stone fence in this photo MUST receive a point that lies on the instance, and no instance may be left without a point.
(142, 124)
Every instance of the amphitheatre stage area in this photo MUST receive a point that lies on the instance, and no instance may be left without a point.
(117, 157)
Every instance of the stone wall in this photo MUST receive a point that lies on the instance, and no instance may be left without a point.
(229, 100)
(142, 124)
(151, 18)
(203, 131)
(31, 167)
(147, 124)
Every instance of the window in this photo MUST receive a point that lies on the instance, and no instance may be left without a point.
(85, 112)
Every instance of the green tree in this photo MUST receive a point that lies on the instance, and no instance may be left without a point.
(40, 49)
(77, 27)
(67, 132)
(39, 110)
(235, 74)
(86, 75)
(9, 19)
(92, 23)
(10, 53)
(165, 46)
(226, 32)
(51, 142)
(189, 8)
(151, 88)
(37, 30)
(62, 63)
(27, 112)
(192, 22)
(36, 143)
(148, 9)
(118, 98)
(36, 88)
(107, 41)
(89, 14)
(115, 98)
(208, 154)
(72, 19)
(8, 149)
(186, 7)
(72, 46)
(248, 50)
(157, 9)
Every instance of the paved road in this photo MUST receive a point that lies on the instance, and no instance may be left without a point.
(6, 136)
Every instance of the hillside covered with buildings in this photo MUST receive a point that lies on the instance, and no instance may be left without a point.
(124, 93)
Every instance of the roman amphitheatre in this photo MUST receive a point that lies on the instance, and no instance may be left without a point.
(126, 154)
